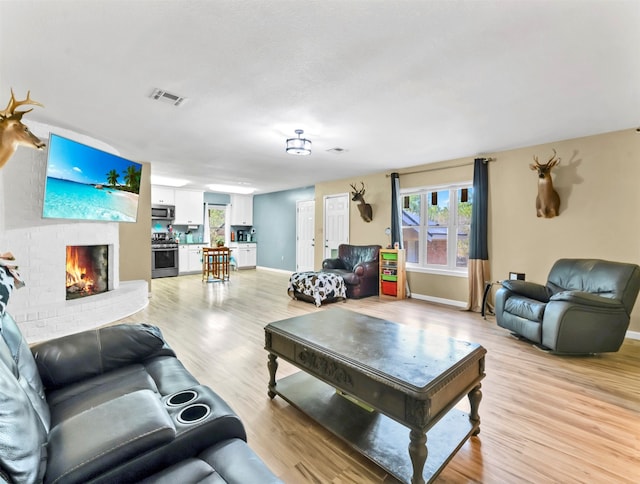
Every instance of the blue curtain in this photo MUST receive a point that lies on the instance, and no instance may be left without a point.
(396, 211)
(478, 248)
(479, 270)
(396, 220)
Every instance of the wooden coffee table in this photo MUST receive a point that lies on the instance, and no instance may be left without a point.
(394, 377)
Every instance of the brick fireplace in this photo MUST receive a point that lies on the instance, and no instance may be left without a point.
(41, 308)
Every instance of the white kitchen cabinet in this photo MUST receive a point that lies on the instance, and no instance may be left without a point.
(251, 257)
(183, 259)
(162, 195)
(189, 207)
(245, 255)
(241, 210)
(195, 258)
(190, 258)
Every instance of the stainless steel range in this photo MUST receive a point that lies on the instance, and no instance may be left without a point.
(164, 257)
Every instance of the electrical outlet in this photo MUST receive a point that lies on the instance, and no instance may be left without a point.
(520, 276)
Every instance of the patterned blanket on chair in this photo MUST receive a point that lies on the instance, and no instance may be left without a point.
(318, 285)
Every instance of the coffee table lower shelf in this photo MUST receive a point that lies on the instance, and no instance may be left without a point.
(376, 436)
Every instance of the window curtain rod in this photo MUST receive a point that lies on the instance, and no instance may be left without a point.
(484, 160)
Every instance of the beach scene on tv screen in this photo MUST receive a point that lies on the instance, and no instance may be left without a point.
(89, 184)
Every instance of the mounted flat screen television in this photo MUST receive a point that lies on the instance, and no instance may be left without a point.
(84, 183)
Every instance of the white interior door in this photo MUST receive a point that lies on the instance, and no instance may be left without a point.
(305, 225)
(336, 223)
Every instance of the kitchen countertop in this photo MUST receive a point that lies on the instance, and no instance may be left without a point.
(205, 244)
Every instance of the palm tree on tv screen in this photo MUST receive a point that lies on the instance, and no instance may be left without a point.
(132, 178)
(112, 177)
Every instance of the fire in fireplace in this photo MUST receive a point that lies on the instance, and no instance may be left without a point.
(87, 270)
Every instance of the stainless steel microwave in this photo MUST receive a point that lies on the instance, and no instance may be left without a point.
(164, 212)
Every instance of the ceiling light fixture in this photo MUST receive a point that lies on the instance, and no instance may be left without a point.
(299, 146)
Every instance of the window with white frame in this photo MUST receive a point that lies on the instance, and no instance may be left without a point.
(216, 224)
(435, 227)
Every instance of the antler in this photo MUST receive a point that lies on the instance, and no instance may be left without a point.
(548, 163)
(355, 190)
(14, 104)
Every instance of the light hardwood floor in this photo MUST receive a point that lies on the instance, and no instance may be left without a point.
(545, 418)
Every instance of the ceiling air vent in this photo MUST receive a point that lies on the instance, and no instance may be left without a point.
(167, 97)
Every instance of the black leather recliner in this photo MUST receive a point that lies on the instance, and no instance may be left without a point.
(113, 405)
(584, 307)
(358, 265)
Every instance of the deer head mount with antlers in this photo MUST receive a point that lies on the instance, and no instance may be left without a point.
(366, 212)
(12, 132)
(548, 200)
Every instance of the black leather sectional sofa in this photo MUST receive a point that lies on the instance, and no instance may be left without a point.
(114, 405)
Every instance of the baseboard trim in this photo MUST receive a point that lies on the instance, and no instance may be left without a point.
(439, 300)
(633, 335)
(283, 271)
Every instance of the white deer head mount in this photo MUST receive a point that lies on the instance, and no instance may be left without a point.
(366, 212)
(12, 132)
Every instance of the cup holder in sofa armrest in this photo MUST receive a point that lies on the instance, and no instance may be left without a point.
(181, 398)
(206, 417)
(194, 413)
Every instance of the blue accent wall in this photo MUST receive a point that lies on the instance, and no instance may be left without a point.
(274, 220)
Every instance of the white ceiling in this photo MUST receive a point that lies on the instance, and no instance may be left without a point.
(395, 83)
